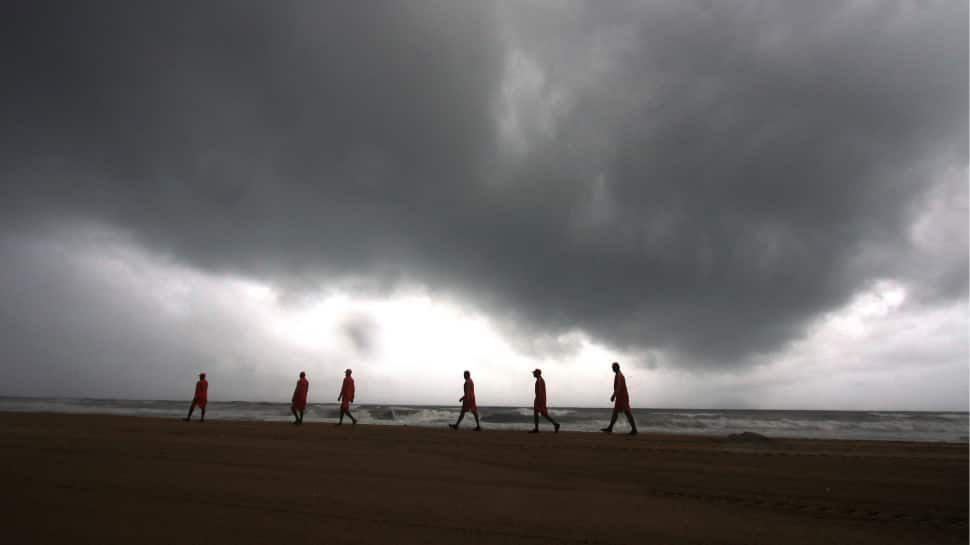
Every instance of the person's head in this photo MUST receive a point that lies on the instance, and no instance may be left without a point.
(347, 372)
(302, 374)
(616, 367)
(467, 374)
(537, 373)
(201, 376)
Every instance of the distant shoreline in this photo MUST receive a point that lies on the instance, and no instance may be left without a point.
(725, 437)
(433, 405)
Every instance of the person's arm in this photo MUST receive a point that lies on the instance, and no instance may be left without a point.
(341, 394)
(613, 397)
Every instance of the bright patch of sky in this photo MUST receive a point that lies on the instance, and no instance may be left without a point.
(881, 351)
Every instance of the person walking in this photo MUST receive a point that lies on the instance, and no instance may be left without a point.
(346, 397)
(200, 399)
(539, 405)
(621, 399)
(298, 404)
(468, 403)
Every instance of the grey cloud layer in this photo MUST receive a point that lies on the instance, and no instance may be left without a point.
(702, 179)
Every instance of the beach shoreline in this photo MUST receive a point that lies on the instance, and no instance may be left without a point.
(918, 426)
(112, 479)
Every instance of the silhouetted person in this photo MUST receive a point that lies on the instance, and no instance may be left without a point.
(347, 397)
(201, 397)
(539, 406)
(468, 403)
(622, 401)
(299, 398)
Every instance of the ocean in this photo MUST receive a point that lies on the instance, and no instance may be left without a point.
(872, 425)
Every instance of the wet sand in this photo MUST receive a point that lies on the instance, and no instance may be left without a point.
(105, 479)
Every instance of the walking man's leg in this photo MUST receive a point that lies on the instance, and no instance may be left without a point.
(609, 429)
(460, 416)
(549, 418)
(633, 424)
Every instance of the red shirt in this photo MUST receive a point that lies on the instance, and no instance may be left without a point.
(621, 393)
(299, 395)
(347, 390)
(201, 392)
(540, 402)
(469, 402)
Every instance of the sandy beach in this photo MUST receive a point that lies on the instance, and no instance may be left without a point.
(107, 479)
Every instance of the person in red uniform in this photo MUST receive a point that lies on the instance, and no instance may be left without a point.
(621, 399)
(201, 397)
(539, 406)
(299, 398)
(346, 397)
(468, 403)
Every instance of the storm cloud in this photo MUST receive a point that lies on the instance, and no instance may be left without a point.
(697, 180)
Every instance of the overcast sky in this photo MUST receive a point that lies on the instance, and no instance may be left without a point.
(747, 204)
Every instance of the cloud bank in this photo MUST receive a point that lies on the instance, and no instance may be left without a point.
(691, 184)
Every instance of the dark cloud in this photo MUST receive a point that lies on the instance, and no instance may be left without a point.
(362, 332)
(86, 314)
(700, 179)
